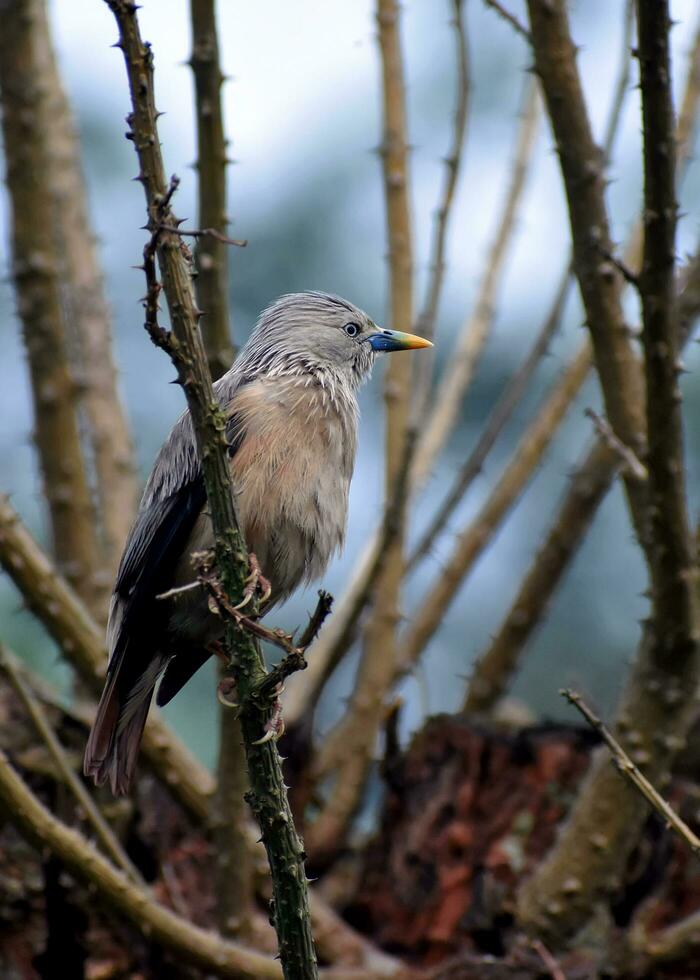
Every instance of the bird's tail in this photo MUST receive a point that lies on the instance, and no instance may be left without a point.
(115, 737)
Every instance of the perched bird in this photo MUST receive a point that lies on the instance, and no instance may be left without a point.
(291, 408)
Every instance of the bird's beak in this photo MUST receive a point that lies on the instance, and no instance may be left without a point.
(390, 340)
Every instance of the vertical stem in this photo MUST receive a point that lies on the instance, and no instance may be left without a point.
(268, 795)
(380, 649)
(37, 267)
(211, 256)
(234, 885)
(106, 439)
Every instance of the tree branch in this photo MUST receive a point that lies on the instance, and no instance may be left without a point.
(234, 881)
(12, 669)
(425, 325)
(476, 328)
(268, 797)
(380, 650)
(599, 281)
(211, 257)
(197, 946)
(655, 709)
(37, 266)
(106, 436)
(70, 625)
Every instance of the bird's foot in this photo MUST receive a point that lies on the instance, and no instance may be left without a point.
(274, 726)
(256, 582)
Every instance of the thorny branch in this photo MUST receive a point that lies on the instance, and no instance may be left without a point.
(654, 712)
(268, 796)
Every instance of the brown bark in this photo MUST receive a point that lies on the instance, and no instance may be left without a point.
(234, 885)
(37, 266)
(106, 438)
(380, 652)
(654, 714)
(70, 625)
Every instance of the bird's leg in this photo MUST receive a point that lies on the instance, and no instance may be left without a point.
(255, 581)
(274, 726)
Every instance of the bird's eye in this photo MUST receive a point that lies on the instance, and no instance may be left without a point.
(351, 329)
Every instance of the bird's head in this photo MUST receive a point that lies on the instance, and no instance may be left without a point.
(317, 332)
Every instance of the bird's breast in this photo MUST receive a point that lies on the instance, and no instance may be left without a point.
(291, 474)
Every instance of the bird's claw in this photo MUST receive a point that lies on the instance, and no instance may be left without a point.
(255, 581)
(226, 686)
(274, 727)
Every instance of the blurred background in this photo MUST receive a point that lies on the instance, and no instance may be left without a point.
(302, 114)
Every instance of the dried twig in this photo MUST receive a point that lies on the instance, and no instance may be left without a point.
(37, 265)
(631, 772)
(12, 669)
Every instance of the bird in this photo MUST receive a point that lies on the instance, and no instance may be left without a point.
(290, 403)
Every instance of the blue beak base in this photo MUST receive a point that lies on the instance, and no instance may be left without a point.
(391, 340)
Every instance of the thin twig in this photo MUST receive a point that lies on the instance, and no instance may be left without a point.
(496, 422)
(13, 671)
(631, 463)
(206, 233)
(631, 772)
(425, 325)
(510, 18)
(476, 329)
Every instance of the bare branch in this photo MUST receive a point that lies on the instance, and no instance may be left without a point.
(510, 18)
(475, 331)
(37, 267)
(12, 669)
(81, 640)
(655, 708)
(210, 257)
(197, 946)
(425, 325)
(599, 281)
(629, 460)
(103, 423)
(496, 422)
